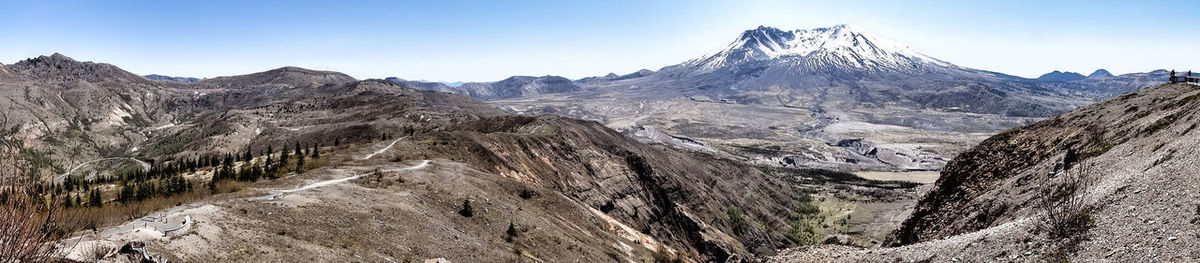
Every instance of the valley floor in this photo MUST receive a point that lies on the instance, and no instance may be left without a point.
(375, 209)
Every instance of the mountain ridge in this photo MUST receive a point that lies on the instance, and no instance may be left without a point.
(511, 87)
(842, 47)
(171, 78)
(1100, 73)
(1060, 76)
(59, 67)
(288, 75)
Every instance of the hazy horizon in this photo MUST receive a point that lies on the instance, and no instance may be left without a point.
(465, 41)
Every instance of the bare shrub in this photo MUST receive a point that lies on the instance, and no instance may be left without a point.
(1063, 200)
(99, 251)
(31, 224)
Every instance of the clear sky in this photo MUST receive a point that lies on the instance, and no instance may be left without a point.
(487, 41)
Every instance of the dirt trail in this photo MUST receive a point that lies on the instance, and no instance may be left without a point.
(389, 147)
(343, 180)
(63, 176)
(275, 194)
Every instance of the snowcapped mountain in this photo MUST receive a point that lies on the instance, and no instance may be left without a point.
(846, 47)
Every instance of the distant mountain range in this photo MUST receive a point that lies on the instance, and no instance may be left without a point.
(170, 78)
(513, 87)
(771, 88)
(1061, 76)
(1072, 76)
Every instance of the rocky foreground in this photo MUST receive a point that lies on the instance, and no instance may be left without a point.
(1140, 202)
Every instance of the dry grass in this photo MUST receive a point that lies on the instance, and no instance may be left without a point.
(96, 218)
(98, 251)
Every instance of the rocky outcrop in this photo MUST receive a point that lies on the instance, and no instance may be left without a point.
(58, 67)
(6, 74)
(679, 198)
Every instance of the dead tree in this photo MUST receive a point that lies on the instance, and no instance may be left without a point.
(31, 223)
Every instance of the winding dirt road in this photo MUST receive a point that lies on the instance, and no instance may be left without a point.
(63, 176)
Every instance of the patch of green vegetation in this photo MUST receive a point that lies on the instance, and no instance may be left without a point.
(805, 220)
(1096, 151)
(175, 143)
(38, 160)
(736, 218)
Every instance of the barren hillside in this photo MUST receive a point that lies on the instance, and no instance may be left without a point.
(437, 173)
(1140, 205)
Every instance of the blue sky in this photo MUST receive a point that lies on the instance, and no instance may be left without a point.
(486, 41)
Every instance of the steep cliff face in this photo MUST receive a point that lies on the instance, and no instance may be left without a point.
(996, 182)
(1137, 152)
(679, 198)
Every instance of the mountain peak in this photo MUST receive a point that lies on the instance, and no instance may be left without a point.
(59, 67)
(1061, 76)
(844, 46)
(1100, 73)
(294, 76)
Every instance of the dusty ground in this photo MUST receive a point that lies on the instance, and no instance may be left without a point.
(409, 213)
(924, 177)
(800, 133)
(371, 207)
(1141, 205)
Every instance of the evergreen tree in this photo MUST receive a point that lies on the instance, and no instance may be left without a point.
(298, 152)
(126, 194)
(268, 163)
(283, 159)
(94, 198)
(300, 164)
(316, 150)
(337, 142)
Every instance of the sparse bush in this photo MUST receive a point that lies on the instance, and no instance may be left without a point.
(511, 233)
(736, 219)
(661, 256)
(99, 251)
(804, 221)
(466, 210)
(1064, 203)
(527, 194)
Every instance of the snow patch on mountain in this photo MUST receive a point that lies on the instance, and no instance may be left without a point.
(847, 46)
